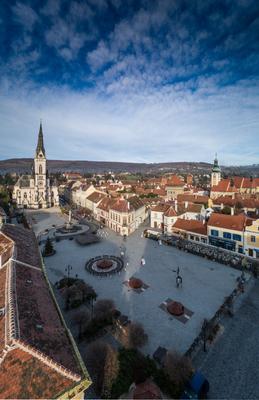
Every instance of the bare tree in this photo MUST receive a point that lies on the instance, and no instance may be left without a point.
(103, 309)
(178, 367)
(81, 319)
(111, 369)
(103, 364)
(88, 292)
(135, 336)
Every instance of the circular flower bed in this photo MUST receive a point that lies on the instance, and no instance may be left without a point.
(104, 264)
(175, 308)
(135, 283)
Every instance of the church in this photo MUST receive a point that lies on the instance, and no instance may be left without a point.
(36, 190)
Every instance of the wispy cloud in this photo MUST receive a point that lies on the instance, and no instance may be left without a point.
(25, 15)
(132, 80)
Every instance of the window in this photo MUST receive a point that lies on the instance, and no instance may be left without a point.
(40, 169)
(240, 249)
(253, 239)
(237, 237)
(213, 232)
(226, 235)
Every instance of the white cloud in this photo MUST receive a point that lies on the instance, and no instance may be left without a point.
(169, 124)
(51, 8)
(25, 15)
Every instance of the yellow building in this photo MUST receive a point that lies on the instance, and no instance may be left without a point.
(252, 239)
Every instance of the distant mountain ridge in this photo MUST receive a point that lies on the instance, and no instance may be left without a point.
(24, 165)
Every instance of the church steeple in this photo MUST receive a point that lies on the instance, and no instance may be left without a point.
(40, 146)
(216, 167)
(215, 173)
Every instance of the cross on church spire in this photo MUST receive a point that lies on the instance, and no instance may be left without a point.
(40, 145)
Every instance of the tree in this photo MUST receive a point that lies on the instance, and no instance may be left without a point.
(103, 309)
(111, 370)
(226, 210)
(178, 367)
(88, 292)
(81, 319)
(70, 293)
(48, 249)
(103, 365)
(135, 336)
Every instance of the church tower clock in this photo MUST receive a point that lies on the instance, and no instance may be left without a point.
(40, 171)
(215, 173)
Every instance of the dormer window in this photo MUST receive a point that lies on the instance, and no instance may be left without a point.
(39, 327)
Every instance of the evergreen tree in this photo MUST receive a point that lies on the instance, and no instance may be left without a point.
(48, 249)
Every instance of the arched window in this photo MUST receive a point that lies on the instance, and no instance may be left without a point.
(40, 169)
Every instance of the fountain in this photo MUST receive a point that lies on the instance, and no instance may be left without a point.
(104, 265)
(69, 227)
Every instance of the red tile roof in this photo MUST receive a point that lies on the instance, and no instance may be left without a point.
(193, 198)
(105, 204)
(34, 324)
(170, 212)
(22, 376)
(2, 305)
(162, 208)
(5, 243)
(147, 390)
(95, 197)
(232, 222)
(174, 180)
(191, 225)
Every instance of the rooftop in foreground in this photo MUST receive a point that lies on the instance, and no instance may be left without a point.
(35, 345)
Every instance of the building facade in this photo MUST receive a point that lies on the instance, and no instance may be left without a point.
(252, 239)
(36, 190)
(215, 173)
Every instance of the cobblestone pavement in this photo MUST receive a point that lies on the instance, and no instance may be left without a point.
(205, 284)
(231, 365)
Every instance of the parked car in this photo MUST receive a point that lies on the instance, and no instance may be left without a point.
(196, 388)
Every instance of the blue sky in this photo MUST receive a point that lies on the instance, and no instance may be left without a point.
(126, 80)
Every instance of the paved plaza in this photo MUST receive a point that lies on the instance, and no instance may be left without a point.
(231, 366)
(45, 218)
(205, 284)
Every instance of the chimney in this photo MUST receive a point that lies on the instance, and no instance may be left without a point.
(176, 205)
(186, 204)
(128, 204)
(232, 210)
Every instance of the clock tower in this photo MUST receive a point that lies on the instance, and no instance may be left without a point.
(215, 173)
(40, 172)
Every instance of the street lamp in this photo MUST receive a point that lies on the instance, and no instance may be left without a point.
(68, 269)
(204, 330)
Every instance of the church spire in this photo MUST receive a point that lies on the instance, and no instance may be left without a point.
(216, 167)
(40, 145)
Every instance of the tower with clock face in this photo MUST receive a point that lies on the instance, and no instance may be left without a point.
(215, 173)
(36, 190)
(40, 172)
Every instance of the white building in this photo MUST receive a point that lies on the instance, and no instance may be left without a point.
(121, 215)
(36, 190)
(3, 217)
